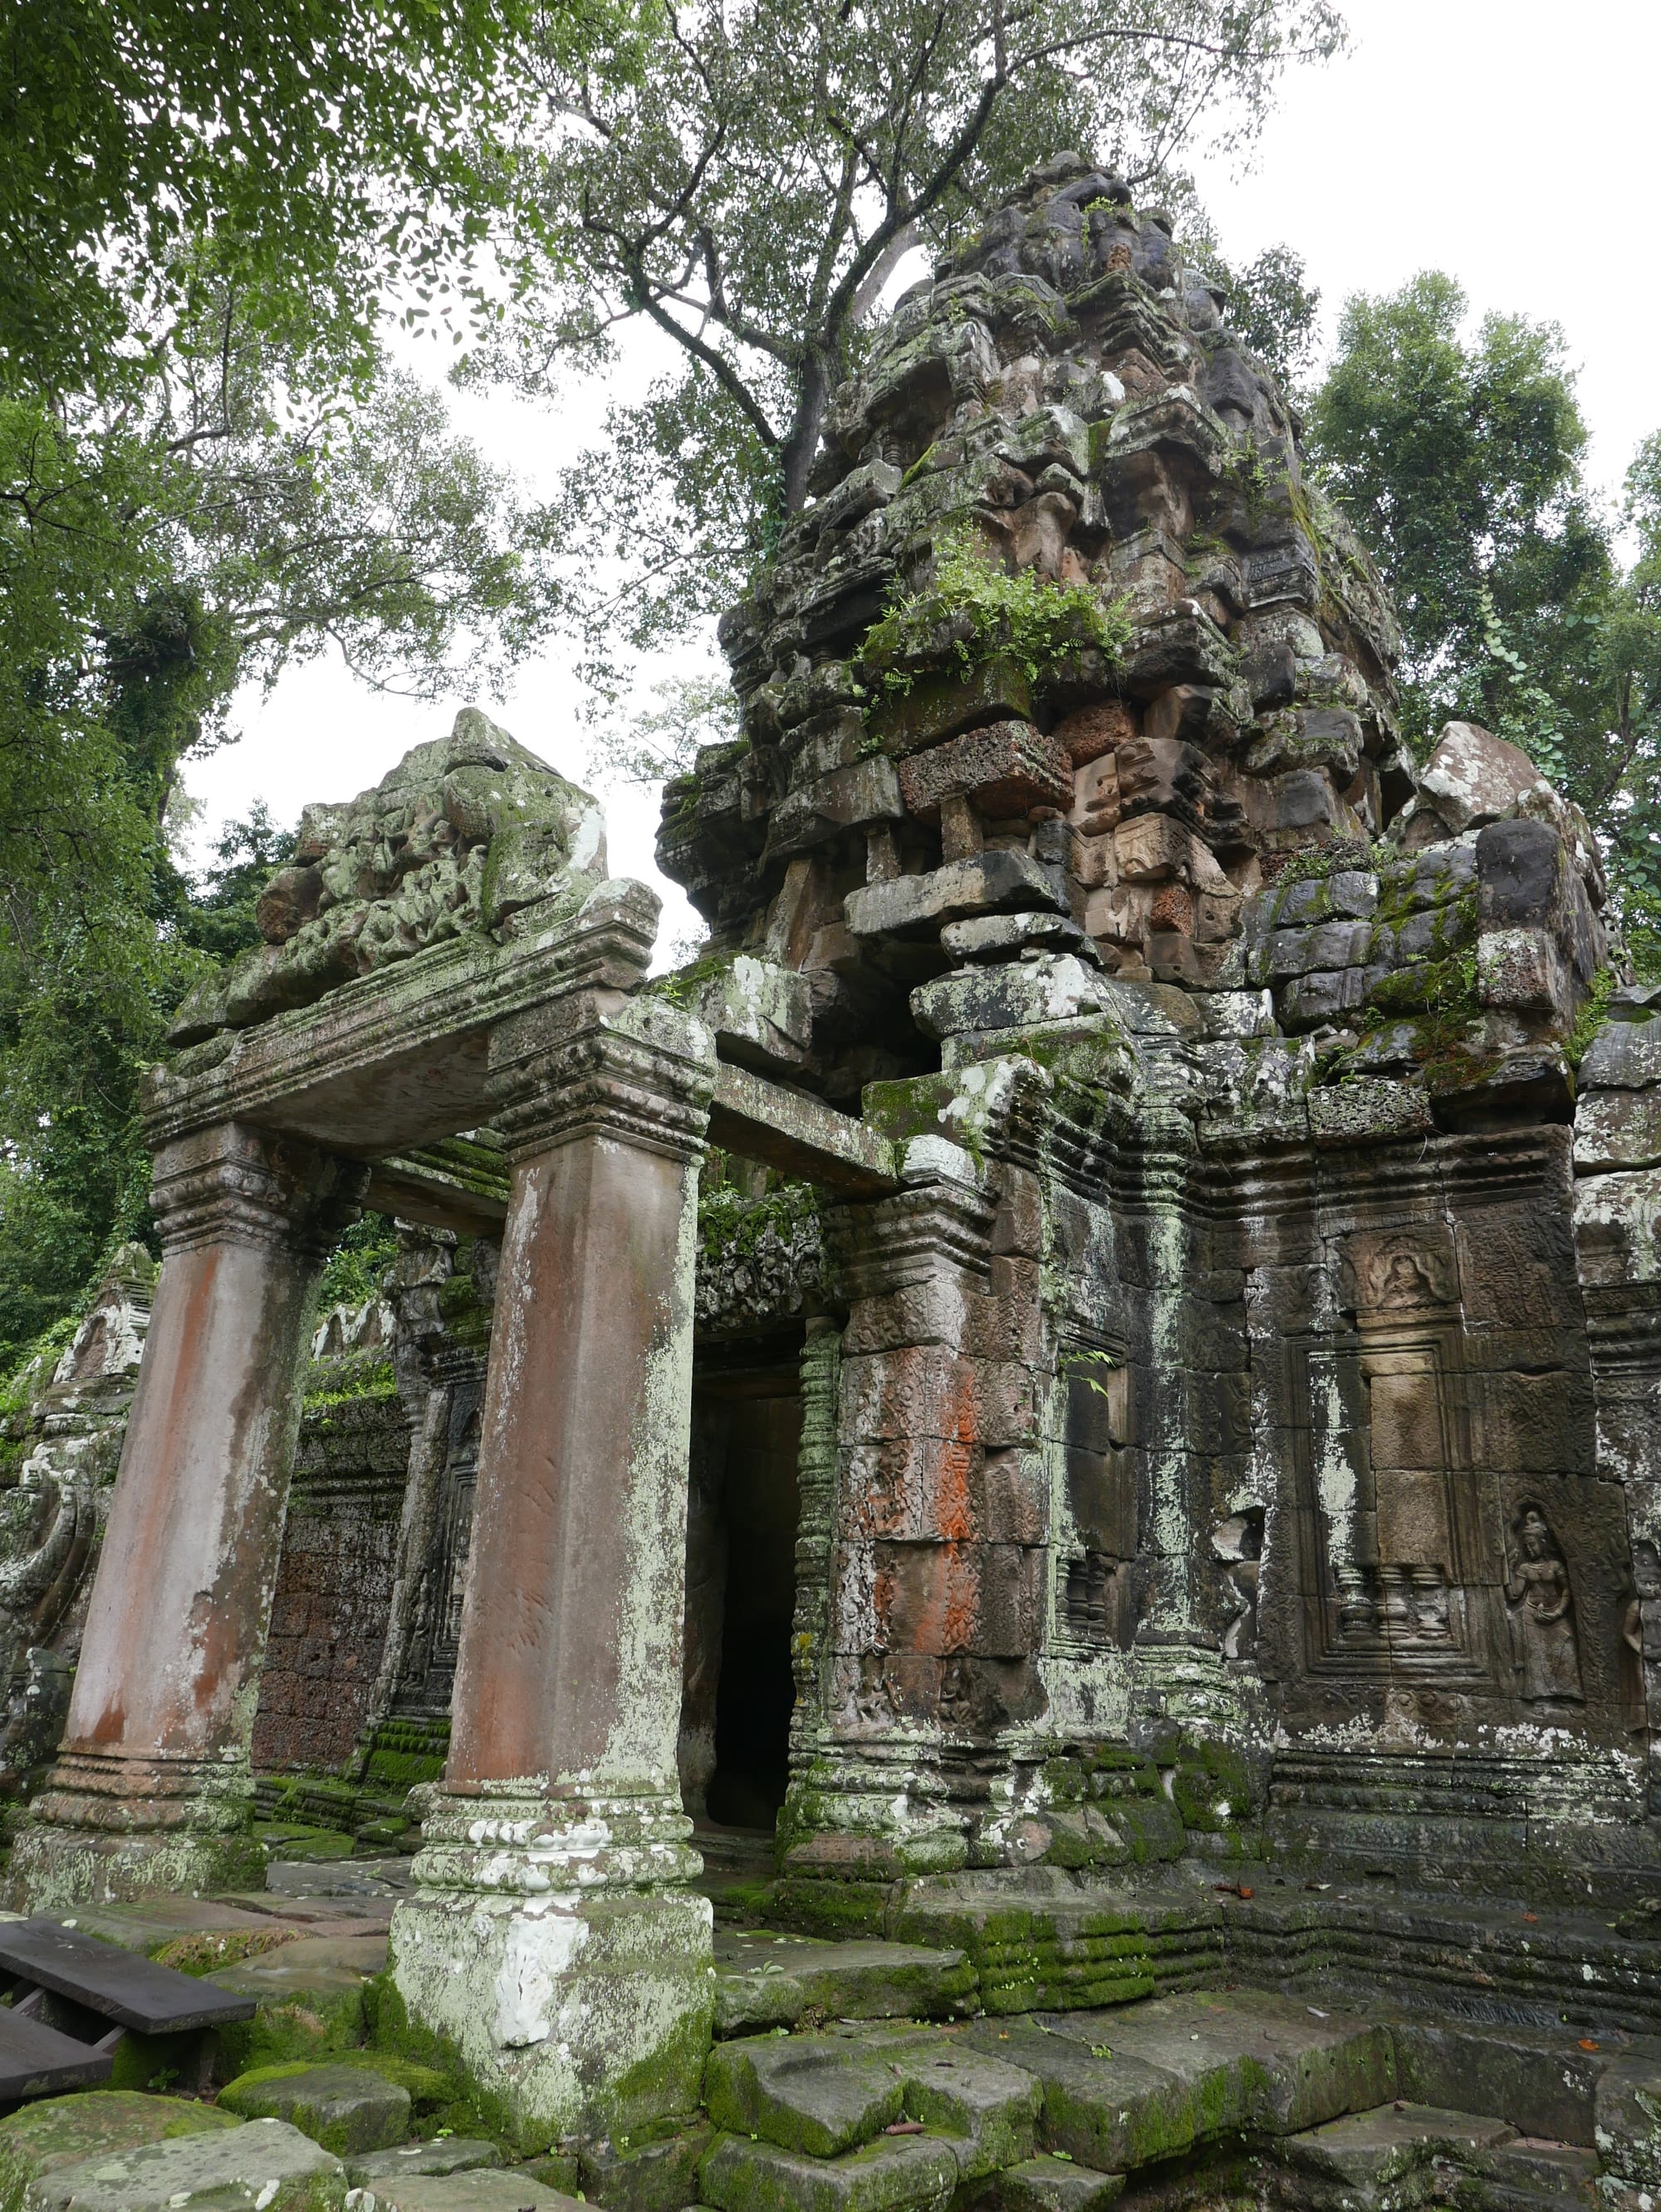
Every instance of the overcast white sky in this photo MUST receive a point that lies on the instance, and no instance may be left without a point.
(1500, 140)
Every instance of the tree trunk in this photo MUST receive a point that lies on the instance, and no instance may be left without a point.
(802, 443)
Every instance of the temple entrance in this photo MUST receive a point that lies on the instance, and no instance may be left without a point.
(741, 1597)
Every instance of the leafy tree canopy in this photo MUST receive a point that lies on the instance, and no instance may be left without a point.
(1460, 456)
(209, 468)
(745, 181)
(321, 147)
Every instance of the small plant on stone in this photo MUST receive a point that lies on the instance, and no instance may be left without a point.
(974, 611)
(1590, 1019)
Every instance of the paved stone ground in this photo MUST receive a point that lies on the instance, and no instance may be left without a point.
(862, 2075)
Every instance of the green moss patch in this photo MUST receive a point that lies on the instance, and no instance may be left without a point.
(61, 2132)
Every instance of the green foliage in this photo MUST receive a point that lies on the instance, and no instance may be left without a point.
(1590, 1019)
(732, 1225)
(665, 740)
(209, 468)
(1268, 303)
(977, 611)
(1458, 460)
(1459, 456)
(746, 182)
(327, 145)
(356, 1266)
(353, 1381)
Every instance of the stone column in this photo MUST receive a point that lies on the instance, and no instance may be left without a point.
(551, 1935)
(152, 1789)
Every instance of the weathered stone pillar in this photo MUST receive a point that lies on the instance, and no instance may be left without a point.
(552, 1935)
(152, 1789)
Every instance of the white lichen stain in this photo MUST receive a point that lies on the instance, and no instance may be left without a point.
(538, 1954)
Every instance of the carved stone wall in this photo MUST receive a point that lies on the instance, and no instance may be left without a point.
(329, 1617)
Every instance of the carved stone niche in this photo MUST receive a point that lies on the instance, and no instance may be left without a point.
(1396, 1577)
(426, 1679)
(1097, 1526)
(1390, 1273)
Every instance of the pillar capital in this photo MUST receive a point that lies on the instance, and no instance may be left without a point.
(637, 1071)
(231, 1183)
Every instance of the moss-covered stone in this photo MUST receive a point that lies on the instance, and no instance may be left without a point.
(345, 2108)
(1213, 1787)
(303, 2014)
(740, 2176)
(261, 2166)
(63, 2131)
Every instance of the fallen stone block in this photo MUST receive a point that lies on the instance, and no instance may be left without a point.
(446, 2154)
(345, 2108)
(1045, 2184)
(60, 2131)
(657, 2177)
(469, 2192)
(265, 2166)
(988, 2107)
(1365, 2153)
(1539, 2078)
(1627, 2121)
(741, 2176)
(808, 2094)
(1109, 2111)
(762, 1983)
(1251, 2060)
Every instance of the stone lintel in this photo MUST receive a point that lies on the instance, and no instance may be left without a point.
(800, 1135)
(400, 1058)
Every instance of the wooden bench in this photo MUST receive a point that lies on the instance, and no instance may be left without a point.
(119, 1986)
(36, 2061)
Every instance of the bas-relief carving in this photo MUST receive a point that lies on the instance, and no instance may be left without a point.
(1399, 1271)
(1545, 1647)
(1455, 1592)
(1238, 1544)
(52, 1518)
(463, 835)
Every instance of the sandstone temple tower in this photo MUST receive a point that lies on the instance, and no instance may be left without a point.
(1160, 1378)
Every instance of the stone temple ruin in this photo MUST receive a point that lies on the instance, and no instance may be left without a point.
(1088, 1371)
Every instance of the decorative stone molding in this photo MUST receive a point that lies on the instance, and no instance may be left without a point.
(233, 1184)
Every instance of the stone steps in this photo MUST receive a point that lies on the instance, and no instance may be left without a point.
(764, 1980)
(1040, 2112)
(1401, 2155)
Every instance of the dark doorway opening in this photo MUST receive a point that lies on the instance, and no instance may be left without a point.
(740, 1600)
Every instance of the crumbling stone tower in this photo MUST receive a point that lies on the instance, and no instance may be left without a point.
(1233, 1384)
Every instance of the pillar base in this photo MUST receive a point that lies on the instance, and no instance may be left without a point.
(106, 1829)
(552, 1942)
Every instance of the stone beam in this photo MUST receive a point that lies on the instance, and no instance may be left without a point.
(398, 1058)
(460, 1183)
(800, 1135)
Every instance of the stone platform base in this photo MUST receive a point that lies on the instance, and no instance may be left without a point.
(583, 2016)
(53, 1868)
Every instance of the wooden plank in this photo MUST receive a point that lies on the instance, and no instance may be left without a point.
(800, 1135)
(36, 2061)
(133, 1992)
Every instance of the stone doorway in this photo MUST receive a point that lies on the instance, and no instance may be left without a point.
(740, 1598)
